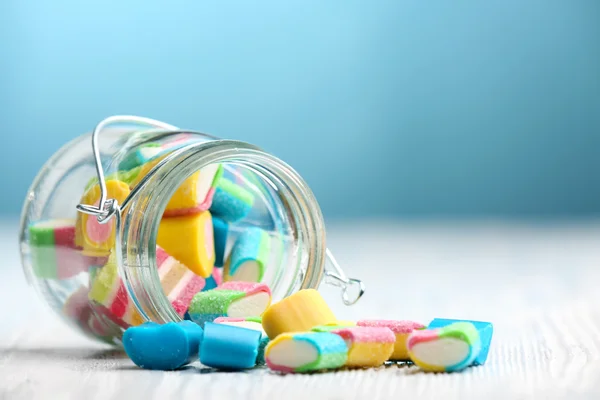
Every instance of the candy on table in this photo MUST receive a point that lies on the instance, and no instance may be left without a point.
(249, 323)
(140, 155)
(367, 346)
(54, 254)
(451, 348)
(163, 347)
(98, 239)
(402, 329)
(231, 299)
(297, 313)
(220, 231)
(333, 326)
(214, 280)
(231, 201)
(486, 331)
(248, 257)
(189, 239)
(229, 347)
(178, 283)
(306, 352)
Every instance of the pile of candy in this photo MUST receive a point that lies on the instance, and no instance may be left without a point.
(235, 327)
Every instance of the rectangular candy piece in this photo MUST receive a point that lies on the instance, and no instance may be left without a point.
(367, 346)
(486, 331)
(231, 202)
(229, 347)
(333, 326)
(448, 349)
(179, 285)
(297, 313)
(189, 239)
(306, 352)
(196, 193)
(253, 323)
(231, 299)
(402, 329)
(220, 232)
(249, 256)
(95, 238)
(54, 254)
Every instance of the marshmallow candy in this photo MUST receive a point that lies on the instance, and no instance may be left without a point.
(189, 239)
(367, 346)
(98, 239)
(54, 254)
(163, 347)
(231, 202)
(485, 329)
(306, 352)
(249, 256)
(231, 299)
(249, 323)
(179, 285)
(297, 313)
(229, 347)
(451, 348)
(333, 326)
(402, 329)
(196, 193)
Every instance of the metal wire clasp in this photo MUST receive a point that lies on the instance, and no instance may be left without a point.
(339, 279)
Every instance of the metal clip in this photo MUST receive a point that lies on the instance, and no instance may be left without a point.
(339, 279)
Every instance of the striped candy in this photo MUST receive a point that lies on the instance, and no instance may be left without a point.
(402, 329)
(231, 299)
(485, 329)
(367, 347)
(249, 256)
(231, 202)
(306, 352)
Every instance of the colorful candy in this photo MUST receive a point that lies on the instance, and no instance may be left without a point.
(402, 329)
(229, 347)
(485, 329)
(333, 326)
(249, 256)
(231, 299)
(220, 231)
(54, 254)
(367, 346)
(140, 155)
(231, 202)
(189, 239)
(451, 348)
(249, 323)
(95, 238)
(214, 280)
(306, 352)
(163, 347)
(196, 193)
(299, 312)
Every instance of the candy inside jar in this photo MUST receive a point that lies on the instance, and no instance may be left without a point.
(131, 228)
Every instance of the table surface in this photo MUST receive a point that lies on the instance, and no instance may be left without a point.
(538, 284)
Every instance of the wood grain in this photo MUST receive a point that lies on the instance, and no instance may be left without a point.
(538, 284)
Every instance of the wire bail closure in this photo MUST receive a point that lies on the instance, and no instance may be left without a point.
(109, 208)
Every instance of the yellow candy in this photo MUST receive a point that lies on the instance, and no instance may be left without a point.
(94, 238)
(367, 346)
(189, 239)
(297, 313)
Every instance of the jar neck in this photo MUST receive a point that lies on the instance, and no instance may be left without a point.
(143, 213)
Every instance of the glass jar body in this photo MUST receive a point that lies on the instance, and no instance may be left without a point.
(100, 272)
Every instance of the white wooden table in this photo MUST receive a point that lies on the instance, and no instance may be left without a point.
(539, 285)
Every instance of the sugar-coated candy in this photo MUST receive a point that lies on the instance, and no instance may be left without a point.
(221, 232)
(214, 280)
(189, 239)
(486, 331)
(231, 202)
(451, 348)
(196, 193)
(54, 254)
(95, 238)
(163, 347)
(297, 313)
(367, 346)
(306, 352)
(229, 347)
(231, 299)
(333, 326)
(249, 256)
(402, 329)
(140, 155)
(249, 323)
(179, 285)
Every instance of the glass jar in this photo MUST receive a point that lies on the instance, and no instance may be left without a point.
(118, 190)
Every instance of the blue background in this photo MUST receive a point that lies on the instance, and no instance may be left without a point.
(387, 108)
